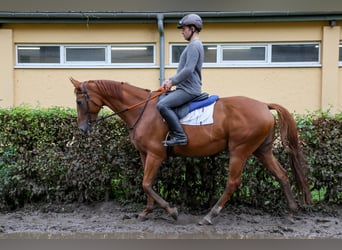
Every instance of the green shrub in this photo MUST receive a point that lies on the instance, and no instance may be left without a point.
(321, 135)
(44, 158)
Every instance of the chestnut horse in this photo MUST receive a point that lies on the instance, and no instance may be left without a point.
(242, 125)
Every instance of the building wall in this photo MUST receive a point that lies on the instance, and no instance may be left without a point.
(298, 89)
(6, 69)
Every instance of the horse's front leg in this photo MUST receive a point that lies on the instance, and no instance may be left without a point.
(148, 209)
(151, 166)
(150, 201)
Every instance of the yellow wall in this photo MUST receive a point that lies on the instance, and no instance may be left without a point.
(330, 76)
(298, 89)
(6, 69)
(254, 32)
(51, 87)
(83, 33)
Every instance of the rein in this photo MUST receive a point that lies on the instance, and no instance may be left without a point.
(145, 102)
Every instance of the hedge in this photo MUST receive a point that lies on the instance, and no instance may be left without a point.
(44, 158)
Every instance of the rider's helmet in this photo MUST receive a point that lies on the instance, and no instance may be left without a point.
(191, 20)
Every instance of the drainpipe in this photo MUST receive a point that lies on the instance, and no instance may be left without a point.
(161, 48)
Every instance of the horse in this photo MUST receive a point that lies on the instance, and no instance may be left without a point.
(242, 126)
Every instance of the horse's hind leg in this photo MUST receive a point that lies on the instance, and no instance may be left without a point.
(271, 163)
(236, 164)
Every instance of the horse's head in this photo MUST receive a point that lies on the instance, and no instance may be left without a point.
(88, 105)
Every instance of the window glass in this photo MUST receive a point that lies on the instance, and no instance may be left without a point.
(295, 53)
(340, 52)
(132, 54)
(78, 54)
(176, 52)
(210, 53)
(38, 54)
(243, 53)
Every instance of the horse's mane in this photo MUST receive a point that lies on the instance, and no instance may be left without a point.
(115, 87)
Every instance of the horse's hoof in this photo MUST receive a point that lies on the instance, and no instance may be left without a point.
(142, 218)
(290, 219)
(205, 221)
(174, 213)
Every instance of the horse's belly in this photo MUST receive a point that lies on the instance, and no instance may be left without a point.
(194, 149)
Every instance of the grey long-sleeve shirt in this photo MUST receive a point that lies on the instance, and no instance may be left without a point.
(188, 75)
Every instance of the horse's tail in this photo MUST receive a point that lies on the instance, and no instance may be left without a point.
(290, 140)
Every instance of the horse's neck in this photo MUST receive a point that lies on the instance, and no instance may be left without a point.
(133, 94)
(121, 96)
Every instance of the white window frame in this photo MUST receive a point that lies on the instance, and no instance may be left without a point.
(242, 62)
(266, 63)
(133, 46)
(87, 64)
(37, 65)
(296, 64)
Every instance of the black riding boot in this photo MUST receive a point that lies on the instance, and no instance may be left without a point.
(178, 135)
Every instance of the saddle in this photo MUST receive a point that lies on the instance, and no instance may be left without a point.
(198, 102)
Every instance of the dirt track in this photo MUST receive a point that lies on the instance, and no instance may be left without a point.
(109, 220)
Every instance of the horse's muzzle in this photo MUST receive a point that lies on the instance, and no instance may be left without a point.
(85, 127)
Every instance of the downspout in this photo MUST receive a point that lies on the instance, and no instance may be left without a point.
(161, 48)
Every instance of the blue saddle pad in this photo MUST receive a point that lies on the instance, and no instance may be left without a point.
(185, 109)
(200, 104)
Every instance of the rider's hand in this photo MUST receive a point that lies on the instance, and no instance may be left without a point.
(166, 85)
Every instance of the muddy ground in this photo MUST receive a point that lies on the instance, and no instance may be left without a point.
(113, 221)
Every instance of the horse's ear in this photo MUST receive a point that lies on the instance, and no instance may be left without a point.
(76, 83)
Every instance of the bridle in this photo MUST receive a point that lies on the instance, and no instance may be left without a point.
(87, 100)
(144, 102)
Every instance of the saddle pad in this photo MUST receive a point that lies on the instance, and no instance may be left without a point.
(203, 103)
(200, 116)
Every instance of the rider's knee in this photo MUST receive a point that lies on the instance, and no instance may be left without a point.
(161, 107)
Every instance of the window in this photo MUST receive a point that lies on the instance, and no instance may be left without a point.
(243, 53)
(210, 53)
(295, 53)
(176, 52)
(38, 54)
(132, 54)
(86, 56)
(256, 55)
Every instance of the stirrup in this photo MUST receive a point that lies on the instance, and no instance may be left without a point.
(176, 142)
(167, 137)
(172, 141)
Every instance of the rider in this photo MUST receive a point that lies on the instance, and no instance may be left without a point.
(188, 79)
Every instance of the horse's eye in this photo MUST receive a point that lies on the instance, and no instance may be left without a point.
(79, 102)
